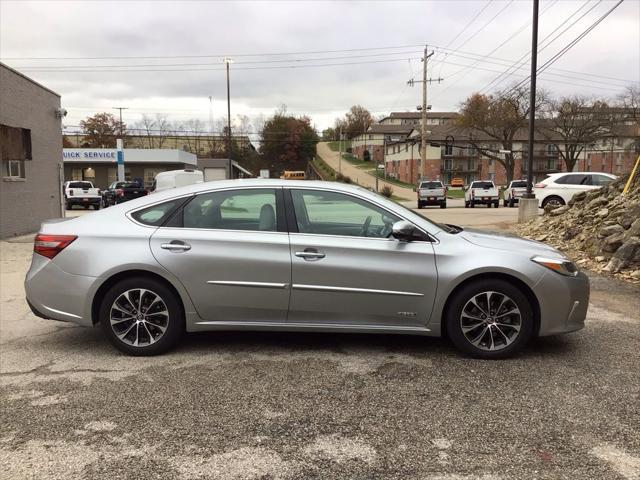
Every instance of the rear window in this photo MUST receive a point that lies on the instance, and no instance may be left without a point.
(127, 185)
(80, 185)
(518, 184)
(482, 185)
(156, 214)
(431, 185)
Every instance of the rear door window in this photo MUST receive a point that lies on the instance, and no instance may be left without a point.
(573, 179)
(156, 215)
(600, 180)
(80, 185)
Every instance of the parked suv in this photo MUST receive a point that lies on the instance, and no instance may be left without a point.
(482, 192)
(513, 193)
(432, 193)
(558, 188)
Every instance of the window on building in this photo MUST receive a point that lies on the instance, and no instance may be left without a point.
(15, 148)
(89, 174)
(76, 174)
(448, 150)
(13, 169)
(150, 175)
(552, 150)
(370, 137)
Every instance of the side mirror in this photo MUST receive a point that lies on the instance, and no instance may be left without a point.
(406, 231)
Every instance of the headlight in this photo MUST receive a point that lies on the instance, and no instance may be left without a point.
(559, 265)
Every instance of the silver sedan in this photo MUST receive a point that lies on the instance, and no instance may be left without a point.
(282, 255)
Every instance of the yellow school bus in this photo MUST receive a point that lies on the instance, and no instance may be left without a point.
(293, 175)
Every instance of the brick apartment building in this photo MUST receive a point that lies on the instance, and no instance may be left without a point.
(451, 155)
(30, 153)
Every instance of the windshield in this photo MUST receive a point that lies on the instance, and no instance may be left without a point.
(431, 185)
(80, 185)
(519, 184)
(482, 185)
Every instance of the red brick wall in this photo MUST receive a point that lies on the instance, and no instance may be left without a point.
(376, 152)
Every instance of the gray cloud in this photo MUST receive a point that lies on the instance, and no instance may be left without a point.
(168, 28)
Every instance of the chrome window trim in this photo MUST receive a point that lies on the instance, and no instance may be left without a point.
(432, 238)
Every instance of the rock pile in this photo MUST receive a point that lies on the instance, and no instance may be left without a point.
(599, 229)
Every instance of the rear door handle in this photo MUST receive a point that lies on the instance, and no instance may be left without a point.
(181, 247)
(310, 255)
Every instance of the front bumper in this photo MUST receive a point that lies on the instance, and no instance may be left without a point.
(563, 302)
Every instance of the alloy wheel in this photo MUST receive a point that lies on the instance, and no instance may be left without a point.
(491, 321)
(139, 317)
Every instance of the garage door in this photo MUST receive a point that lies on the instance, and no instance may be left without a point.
(214, 174)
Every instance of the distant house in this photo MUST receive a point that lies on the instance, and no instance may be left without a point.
(30, 152)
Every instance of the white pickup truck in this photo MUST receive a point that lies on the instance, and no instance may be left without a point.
(81, 193)
(432, 193)
(482, 192)
(515, 191)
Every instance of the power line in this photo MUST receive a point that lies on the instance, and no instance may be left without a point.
(524, 57)
(263, 54)
(469, 23)
(570, 45)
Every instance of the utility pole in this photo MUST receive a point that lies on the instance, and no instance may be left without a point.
(528, 205)
(120, 148)
(340, 150)
(229, 61)
(423, 109)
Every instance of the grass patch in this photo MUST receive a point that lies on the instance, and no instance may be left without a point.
(325, 170)
(393, 181)
(455, 193)
(335, 146)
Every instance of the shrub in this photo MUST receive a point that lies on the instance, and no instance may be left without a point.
(346, 179)
(386, 191)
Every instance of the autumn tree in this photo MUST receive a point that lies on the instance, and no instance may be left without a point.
(101, 130)
(287, 142)
(573, 123)
(497, 118)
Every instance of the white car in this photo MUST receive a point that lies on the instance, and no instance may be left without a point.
(81, 193)
(558, 188)
(483, 192)
(515, 191)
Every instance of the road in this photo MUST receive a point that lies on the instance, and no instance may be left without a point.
(289, 406)
(358, 175)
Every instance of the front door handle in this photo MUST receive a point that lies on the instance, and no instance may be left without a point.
(310, 254)
(176, 247)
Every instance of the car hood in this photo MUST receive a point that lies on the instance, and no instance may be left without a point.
(507, 241)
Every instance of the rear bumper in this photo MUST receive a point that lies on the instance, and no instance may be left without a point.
(482, 201)
(82, 201)
(54, 294)
(432, 200)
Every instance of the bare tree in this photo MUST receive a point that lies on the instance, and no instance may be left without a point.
(498, 118)
(573, 123)
(630, 101)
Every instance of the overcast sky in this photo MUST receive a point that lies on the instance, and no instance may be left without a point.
(74, 37)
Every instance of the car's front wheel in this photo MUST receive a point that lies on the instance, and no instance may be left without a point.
(553, 201)
(141, 316)
(489, 319)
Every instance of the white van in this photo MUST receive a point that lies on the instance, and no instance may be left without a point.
(176, 178)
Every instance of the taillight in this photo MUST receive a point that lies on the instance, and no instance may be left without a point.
(540, 185)
(120, 192)
(51, 245)
(71, 193)
(513, 192)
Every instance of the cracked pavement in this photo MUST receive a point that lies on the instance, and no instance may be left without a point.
(288, 406)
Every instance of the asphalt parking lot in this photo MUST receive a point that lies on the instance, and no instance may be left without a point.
(271, 406)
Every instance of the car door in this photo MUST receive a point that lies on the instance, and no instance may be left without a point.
(230, 250)
(568, 185)
(346, 270)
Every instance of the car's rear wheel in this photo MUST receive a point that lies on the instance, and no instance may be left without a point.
(504, 203)
(512, 203)
(489, 319)
(553, 201)
(141, 316)
(443, 205)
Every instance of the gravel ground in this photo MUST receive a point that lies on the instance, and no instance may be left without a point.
(272, 406)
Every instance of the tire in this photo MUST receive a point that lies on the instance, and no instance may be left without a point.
(512, 203)
(496, 204)
(443, 205)
(472, 204)
(511, 341)
(419, 206)
(553, 199)
(466, 204)
(504, 203)
(172, 321)
(67, 206)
